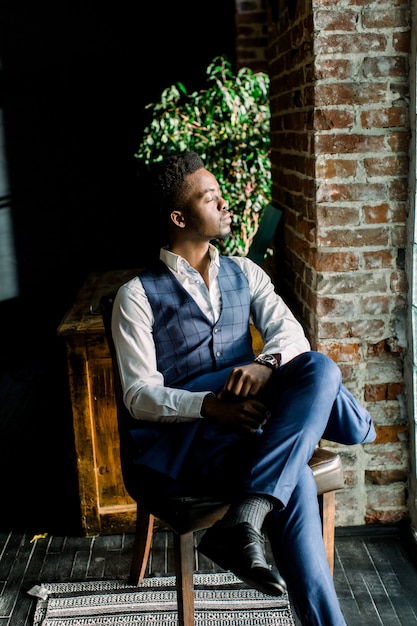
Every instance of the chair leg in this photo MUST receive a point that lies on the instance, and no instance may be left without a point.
(142, 545)
(327, 504)
(184, 570)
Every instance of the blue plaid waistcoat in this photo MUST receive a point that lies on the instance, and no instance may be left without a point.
(187, 343)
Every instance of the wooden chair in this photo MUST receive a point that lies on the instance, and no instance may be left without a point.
(186, 515)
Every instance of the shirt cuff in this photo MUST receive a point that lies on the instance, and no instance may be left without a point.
(191, 404)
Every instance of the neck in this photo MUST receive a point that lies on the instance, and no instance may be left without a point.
(197, 256)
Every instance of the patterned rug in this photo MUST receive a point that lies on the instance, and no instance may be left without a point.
(220, 600)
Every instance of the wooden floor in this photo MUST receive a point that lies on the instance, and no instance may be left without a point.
(375, 569)
(375, 574)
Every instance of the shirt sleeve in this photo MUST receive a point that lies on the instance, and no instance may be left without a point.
(280, 330)
(144, 392)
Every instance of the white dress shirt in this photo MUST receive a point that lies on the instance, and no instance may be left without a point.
(145, 394)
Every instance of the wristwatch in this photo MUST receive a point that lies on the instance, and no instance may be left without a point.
(270, 360)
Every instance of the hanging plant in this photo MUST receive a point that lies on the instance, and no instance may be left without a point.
(228, 125)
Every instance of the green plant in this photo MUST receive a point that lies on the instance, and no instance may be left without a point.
(228, 124)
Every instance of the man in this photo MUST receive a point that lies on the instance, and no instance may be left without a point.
(211, 418)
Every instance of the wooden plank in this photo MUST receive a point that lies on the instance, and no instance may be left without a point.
(84, 316)
(110, 486)
(83, 433)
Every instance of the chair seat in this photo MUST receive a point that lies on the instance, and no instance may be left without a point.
(327, 469)
(191, 513)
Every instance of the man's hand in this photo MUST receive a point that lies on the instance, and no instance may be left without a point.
(249, 414)
(235, 405)
(246, 381)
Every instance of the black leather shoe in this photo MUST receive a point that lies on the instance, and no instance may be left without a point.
(240, 549)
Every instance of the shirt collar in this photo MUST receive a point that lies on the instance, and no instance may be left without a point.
(174, 261)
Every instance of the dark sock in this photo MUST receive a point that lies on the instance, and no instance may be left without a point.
(252, 509)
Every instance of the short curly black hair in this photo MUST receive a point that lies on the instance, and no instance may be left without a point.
(169, 177)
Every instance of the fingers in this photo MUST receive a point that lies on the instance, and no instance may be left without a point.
(246, 381)
(253, 416)
(249, 414)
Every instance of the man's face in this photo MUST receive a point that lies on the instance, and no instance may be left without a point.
(206, 215)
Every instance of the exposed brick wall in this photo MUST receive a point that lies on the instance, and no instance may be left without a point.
(340, 140)
(251, 35)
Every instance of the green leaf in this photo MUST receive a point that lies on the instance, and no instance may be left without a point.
(228, 124)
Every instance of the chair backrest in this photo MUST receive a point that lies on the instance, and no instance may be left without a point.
(262, 239)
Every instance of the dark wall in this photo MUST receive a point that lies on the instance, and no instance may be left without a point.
(76, 79)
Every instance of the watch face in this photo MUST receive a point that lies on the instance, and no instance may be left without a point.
(267, 359)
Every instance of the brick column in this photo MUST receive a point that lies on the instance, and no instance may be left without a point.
(340, 133)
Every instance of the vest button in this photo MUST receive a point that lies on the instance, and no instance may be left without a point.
(216, 330)
(218, 353)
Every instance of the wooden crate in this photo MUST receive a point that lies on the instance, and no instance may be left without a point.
(106, 507)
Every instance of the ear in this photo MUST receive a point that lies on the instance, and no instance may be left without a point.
(177, 218)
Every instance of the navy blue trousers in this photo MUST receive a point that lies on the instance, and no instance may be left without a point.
(308, 402)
